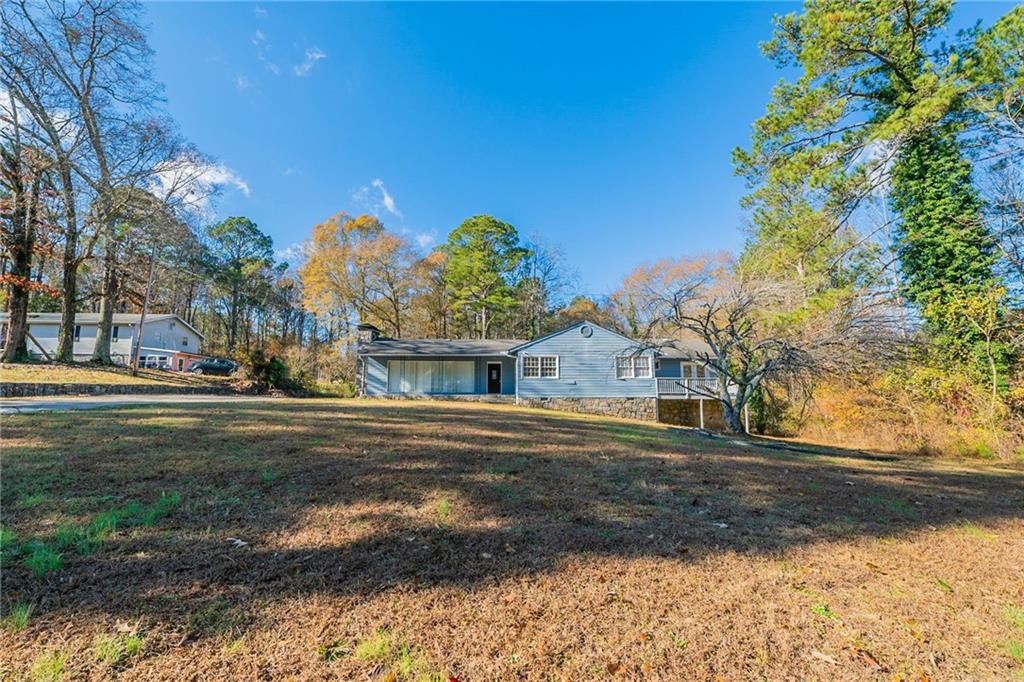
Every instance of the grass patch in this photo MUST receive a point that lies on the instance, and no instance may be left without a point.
(973, 530)
(1015, 614)
(444, 509)
(894, 506)
(512, 466)
(271, 475)
(41, 559)
(30, 500)
(1015, 650)
(212, 618)
(333, 651)
(17, 617)
(823, 610)
(376, 647)
(8, 542)
(116, 649)
(944, 586)
(386, 649)
(48, 666)
(638, 434)
(89, 538)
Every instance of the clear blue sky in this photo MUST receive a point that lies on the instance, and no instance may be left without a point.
(604, 128)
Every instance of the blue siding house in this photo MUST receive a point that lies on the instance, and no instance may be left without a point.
(583, 367)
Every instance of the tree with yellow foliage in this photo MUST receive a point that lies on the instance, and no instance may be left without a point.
(354, 266)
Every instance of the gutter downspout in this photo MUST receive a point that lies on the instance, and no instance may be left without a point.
(518, 373)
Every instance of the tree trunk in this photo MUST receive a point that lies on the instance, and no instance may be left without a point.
(20, 245)
(733, 417)
(16, 347)
(101, 353)
(69, 272)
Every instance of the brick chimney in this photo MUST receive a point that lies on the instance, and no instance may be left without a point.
(367, 333)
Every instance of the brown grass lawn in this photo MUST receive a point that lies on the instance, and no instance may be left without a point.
(70, 374)
(316, 540)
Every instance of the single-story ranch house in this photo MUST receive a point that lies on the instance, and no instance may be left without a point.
(582, 368)
(168, 342)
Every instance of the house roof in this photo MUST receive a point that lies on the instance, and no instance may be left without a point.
(682, 348)
(130, 319)
(456, 347)
(526, 344)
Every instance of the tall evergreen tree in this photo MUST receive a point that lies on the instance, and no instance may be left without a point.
(483, 255)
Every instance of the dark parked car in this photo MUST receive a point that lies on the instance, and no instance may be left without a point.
(213, 366)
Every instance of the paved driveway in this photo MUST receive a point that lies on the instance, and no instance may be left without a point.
(52, 403)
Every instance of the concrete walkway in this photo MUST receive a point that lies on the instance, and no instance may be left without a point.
(58, 403)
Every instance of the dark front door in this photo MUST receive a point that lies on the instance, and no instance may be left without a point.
(494, 378)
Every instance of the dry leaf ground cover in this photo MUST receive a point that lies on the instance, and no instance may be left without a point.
(315, 540)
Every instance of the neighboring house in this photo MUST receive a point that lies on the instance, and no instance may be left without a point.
(584, 368)
(168, 342)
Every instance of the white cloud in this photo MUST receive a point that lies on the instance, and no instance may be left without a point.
(242, 82)
(263, 47)
(376, 199)
(389, 201)
(289, 172)
(259, 12)
(313, 55)
(425, 239)
(193, 183)
(291, 254)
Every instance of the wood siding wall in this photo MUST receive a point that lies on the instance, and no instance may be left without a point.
(586, 367)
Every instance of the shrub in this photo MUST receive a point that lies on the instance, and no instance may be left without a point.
(265, 373)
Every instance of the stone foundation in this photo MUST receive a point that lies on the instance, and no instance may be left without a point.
(468, 398)
(687, 413)
(629, 408)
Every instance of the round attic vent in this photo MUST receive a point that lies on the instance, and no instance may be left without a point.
(586, 331)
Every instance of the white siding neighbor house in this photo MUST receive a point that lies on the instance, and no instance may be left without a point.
(168, 342)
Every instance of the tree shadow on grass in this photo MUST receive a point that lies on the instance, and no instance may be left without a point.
(352, 498)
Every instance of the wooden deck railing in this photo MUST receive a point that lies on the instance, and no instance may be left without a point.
(687, 387)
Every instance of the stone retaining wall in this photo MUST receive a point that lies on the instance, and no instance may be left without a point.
(687, 413)
(26, 390)
(629, 408)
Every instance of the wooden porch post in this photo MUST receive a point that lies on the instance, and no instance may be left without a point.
(700, 407)
(746, 417)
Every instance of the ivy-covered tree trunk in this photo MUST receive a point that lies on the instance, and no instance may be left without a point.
(946, 253)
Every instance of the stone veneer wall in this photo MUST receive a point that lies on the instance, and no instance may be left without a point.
(687, 413)
(467, 398)
(26, 390)
(630, 408)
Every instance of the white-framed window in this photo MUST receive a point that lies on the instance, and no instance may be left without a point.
(633, 367)
(540, 367)
(116, 333)
(78, 333)
(184, 341)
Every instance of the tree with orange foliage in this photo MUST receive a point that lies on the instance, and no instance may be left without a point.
(354, 265)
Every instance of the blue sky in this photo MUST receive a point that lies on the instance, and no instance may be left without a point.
(605, 129)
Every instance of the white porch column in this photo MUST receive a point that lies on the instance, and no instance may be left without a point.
(746, 417)
(700, 407)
